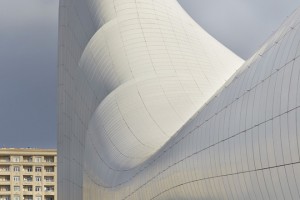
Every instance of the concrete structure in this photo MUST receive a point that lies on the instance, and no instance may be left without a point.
(28, 174)
(152, 107)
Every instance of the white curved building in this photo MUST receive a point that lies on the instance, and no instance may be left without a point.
(152, 107)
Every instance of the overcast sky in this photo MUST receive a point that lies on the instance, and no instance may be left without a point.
(241, 25)
(28, 56)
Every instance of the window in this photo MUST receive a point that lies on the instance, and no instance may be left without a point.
(16, 168)
(16, 188)
(38, 188)
(38, 159)
(15, 159)
(38, 169)
(16, 198)
(38, 179)
(16, 178)
(38, 198)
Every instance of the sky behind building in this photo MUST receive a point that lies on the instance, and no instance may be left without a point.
(28, 65)
(28, 56)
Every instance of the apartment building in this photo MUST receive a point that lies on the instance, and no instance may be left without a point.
(28, 174)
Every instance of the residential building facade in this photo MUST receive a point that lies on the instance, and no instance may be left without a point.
(28, 174)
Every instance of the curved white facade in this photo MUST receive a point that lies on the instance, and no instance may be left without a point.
(148, 108)
(150, 67)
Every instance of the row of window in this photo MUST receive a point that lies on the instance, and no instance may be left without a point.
(26, 197)
(37, 178)
(49, 159)
(27, 168)
(26, 178)
(27, 188)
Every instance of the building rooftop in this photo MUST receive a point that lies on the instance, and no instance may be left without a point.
(25, 151)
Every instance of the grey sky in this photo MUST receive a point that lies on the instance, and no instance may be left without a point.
(28, 56)
(241, 25)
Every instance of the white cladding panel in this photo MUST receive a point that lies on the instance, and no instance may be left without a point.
(151, 67)
(148, 108)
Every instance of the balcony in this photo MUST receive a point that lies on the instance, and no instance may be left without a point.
(49, 159)
(27, 169)
(4, 178)
(49, 197)
(4, 168)
(28, 197)
(27, 159)
(27, 178)
(4, 159)
(49, 169)
(4, 197)
(4, 188)
(27, 188)
(49, 189)
(49, 179)
(15, 159)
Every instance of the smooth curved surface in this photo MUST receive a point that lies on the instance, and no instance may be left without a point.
(151, 72)
(149, 89)
(145, 111)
